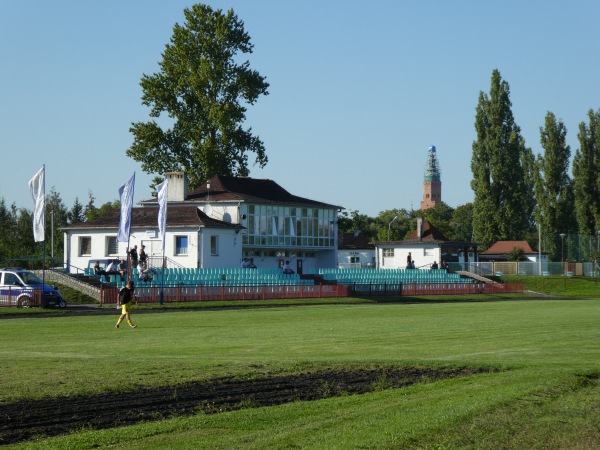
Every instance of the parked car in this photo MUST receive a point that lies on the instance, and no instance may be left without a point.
(19, 286)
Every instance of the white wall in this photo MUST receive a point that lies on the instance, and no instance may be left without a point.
(422, 253)
(98, 249)
(229, 246)
(229, 249)
(366, 256)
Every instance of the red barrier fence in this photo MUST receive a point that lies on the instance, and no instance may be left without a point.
(186, 293)
(19, 297)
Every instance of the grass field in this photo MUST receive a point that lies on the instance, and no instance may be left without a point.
(545, 395)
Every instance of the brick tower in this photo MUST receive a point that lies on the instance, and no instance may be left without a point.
(432, 183)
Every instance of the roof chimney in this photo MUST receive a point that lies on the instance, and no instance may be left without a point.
(420, 228)
(178, 186)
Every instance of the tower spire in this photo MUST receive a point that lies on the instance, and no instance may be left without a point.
(432, 183)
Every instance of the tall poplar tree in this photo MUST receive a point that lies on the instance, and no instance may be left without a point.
(553, 186)
(501, 207)
(202, 88)
(586, 175)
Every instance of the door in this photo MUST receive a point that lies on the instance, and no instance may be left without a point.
(299, 266)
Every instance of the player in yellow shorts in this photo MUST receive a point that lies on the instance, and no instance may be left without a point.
(125, 297)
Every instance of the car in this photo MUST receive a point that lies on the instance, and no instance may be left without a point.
(18, 287)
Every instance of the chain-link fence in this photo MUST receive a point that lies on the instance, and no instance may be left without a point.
(572, 247)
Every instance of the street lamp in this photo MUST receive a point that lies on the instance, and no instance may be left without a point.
(562, 251)
(390, 226)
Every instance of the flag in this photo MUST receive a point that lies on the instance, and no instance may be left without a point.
(162, 189)
(126, 196)
(38, 194)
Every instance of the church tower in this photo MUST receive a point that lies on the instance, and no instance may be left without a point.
(432, 183)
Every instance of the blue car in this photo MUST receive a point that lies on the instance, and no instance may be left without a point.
(19, 287)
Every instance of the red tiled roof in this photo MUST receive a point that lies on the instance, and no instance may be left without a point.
(504, 247)
(430, 233)
(147, 216)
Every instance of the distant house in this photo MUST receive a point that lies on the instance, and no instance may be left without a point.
(217, 225)
(501, 250)
(425, 245)
(355, 251)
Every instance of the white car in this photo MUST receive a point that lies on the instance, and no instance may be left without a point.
(18, 288)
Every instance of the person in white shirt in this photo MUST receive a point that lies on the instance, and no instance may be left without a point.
(287, 269)
(113, 268)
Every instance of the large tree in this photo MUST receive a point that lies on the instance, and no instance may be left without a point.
(461, 223)
(553, 186)
(203, 87)
(586, 175)
(56, 218)
(501, 209)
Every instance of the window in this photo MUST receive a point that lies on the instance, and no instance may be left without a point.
(354, 259)
(112, 246)
(214, 245)
(85, 246)
(388, 252)
(181, 245)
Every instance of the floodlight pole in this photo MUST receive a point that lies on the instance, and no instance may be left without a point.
(390, 226)
(562, 252)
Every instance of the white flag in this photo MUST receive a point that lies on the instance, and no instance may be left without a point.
(38, 194)
(126, 196)
(162, 190)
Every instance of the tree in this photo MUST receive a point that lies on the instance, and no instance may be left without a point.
(398, 229)
(461, 224)
(88, 210)
(76, 214)
(202, 87)
(357, 223)
(440, 217)
(553, 186)
(586, 172)
(528, 190)
(106, 207)
(516, 254)
(7, 225)
(23, 244)
(500, 204)
(56, 217)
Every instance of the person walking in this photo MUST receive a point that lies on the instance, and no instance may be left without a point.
(125, 297)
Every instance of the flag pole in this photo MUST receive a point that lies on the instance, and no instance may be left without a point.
(44, 243)
(162, 199)
(124, 233)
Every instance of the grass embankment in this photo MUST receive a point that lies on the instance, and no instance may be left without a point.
(546, 395)
(560, 286)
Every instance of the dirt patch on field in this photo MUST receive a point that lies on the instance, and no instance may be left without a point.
(23, 420)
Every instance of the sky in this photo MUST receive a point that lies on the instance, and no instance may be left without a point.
(358, 90)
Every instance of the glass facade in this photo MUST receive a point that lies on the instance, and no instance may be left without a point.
(277, 226)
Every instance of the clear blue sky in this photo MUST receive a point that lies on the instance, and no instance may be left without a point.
(358, 90)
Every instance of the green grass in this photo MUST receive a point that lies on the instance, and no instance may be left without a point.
(73, 296)
(547, 396)
(560, 285)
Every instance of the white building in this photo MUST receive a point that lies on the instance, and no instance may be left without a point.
(425, 245)
(355, 251)
(217, 225)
